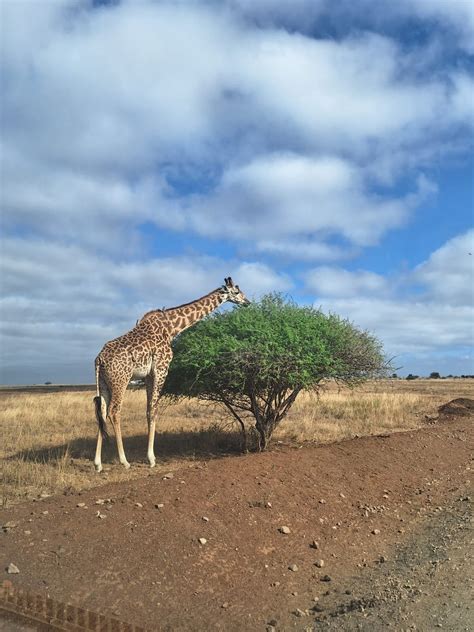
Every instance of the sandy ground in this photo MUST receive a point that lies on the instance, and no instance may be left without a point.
(390, 516)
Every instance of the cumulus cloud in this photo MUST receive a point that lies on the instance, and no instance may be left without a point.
(287, 197)
(304, 248)
(327, 281)
(292, 14)
(453, 19)
(458, 16)
(58, 297)
(428, 309)
(259, 278)
(99, 127)
(408, 326)
(448, 274)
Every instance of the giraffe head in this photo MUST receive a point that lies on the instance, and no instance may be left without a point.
(233, 293)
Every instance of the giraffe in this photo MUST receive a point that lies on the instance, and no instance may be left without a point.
(145, 352)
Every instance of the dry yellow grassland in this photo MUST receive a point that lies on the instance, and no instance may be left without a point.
(48, 439)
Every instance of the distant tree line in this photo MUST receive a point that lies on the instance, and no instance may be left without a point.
(434, 375)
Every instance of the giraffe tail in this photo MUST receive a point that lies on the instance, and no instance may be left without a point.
(100, 405)
(99, 416)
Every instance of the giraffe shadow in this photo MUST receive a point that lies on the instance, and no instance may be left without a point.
(208, 443)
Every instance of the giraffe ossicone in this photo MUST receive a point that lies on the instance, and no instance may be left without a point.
(145, 352)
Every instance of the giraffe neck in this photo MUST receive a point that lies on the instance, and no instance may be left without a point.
(180, 318)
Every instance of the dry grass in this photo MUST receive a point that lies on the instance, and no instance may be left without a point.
(48, 439)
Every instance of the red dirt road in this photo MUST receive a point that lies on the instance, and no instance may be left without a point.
(365, 501)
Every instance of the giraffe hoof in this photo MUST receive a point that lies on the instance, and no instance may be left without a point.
(98, 468)
(126, 465)
(152, 463)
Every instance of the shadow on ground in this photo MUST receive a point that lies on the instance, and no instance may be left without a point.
(208, 443)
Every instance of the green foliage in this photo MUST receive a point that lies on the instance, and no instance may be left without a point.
(258, 358)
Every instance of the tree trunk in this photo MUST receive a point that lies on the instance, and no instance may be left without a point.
(268, 417)
(262, 438)
(265, 430)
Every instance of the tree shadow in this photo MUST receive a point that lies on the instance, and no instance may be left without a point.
(207, 444)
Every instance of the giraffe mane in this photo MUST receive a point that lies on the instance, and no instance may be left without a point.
(169, 309)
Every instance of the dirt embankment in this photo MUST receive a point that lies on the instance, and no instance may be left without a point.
(372, 523)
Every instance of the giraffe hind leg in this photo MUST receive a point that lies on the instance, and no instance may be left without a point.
(98, 453)
(149, 381)
(114, 417)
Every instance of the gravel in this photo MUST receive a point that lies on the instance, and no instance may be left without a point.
(13, 569)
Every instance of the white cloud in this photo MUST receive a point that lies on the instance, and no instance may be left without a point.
(294, 14)
(448, 274)
(74, 280)
(187, 89)
(118, 88)
(455, 14)
(285, 197)
(426, 310)
(305, 81)
(304, 248)
(58, 297)
(463, 97)
(408, 326)
(327, 281)
(259, 278)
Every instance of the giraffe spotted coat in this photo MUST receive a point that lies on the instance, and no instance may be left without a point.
(145, 352)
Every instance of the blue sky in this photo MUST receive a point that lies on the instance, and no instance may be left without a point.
(151, 148)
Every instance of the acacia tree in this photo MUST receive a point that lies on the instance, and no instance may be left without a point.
(256, 360)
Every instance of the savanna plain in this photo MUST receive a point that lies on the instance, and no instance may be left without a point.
(48, 438)
(356, 518)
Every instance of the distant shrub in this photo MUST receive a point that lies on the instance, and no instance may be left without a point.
(435, 375)
(410, 376)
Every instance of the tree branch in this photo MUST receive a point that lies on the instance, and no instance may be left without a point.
(242, 425)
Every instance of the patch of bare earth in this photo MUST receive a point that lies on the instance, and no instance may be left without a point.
(372, 522)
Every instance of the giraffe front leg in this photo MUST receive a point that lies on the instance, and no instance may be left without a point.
(151, 442)
(115, 420)
(151, 421)
(150, 418)
(154, 384)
